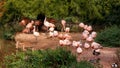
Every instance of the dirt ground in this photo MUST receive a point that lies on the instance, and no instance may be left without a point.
(107, 56)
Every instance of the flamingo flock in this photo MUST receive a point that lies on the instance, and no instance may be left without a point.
(88, 36)
(65, 39)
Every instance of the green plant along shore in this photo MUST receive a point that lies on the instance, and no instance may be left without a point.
(58, 58)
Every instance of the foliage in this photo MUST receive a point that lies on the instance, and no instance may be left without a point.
(82, 64)
(58, 58)
(94, 11)
(91, 12)
(109, 36)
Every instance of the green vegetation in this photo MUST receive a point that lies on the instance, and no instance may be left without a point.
(93, 12)
(58, 58)
(109, 36)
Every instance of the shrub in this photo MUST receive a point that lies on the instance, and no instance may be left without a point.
(9, 31)
(109, 37)
(82, 64)
(23, 60)
(58, 58)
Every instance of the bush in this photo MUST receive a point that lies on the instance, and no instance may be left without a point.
(82, 64)
(23, 60)
(8, 32)
(58, 58)
(109, 37)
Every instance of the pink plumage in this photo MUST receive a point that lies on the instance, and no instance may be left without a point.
(81, 25)
(79, 50)
(93, 34)
(89, 28)
(86, 45)
(85, 27)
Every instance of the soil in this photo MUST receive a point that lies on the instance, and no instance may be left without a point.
(107, 56)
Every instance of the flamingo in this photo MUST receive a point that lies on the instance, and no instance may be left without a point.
(95, 45)
(97, 50)
(51, 25)
(61, 42)
(79, 50)
(84, 36)
(86, 45)
(81, 25)
(75, 44)
(60, 36)
(35, 33)
(66, 36)
(85, 27)
(86, 32)
(55, 33)
(23, 23)
(29, 26)
(93, 34)
(67, 42)
(67, 29)
(89, 39)
(51, 34)
(25, 30)
(89, 28)
(63, 22)
(51, 29)
(47, 24)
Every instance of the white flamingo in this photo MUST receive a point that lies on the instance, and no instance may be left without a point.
(81, 25)
(55, 33)
(67, 29)
(35, 33)
(63, 22)
(51, 29)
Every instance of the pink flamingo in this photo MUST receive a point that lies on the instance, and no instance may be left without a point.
(89, 28)
(81, 25)
(93, 34)
(63, 22)
(79, 50)
(86, 45)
